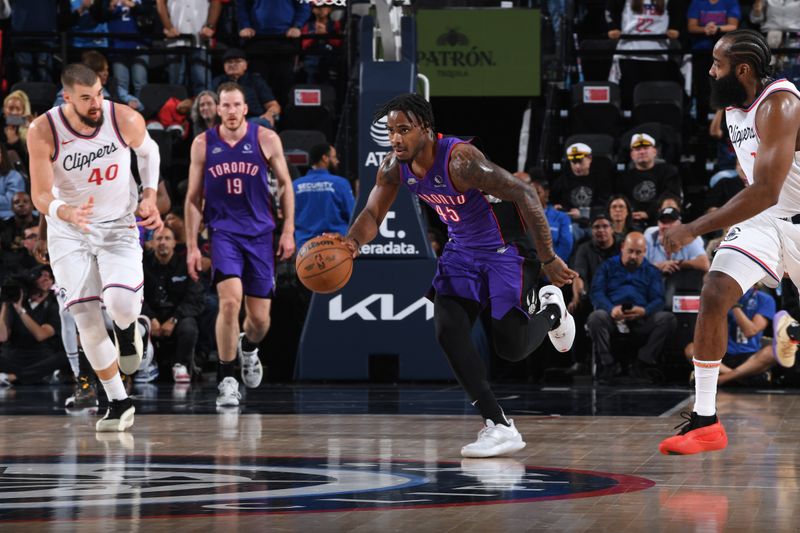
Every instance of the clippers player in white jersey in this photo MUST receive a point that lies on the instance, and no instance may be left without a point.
(81, 179)
(763, 243)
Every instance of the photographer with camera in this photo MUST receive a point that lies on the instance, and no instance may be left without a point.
(29, 322)
(628, 296)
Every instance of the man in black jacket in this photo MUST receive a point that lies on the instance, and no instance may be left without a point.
(647, 180)
(172, 301)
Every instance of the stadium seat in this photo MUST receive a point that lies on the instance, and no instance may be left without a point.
(155, 95)
(310, 107)
(658, 101)
(596, 61)
(297, 145)
(42, 94)
(596, 108)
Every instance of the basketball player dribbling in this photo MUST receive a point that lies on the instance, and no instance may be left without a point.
(80, 178)
(230, 173)
(479, 266)
(763, 243)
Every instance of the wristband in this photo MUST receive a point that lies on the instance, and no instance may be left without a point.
(550, 260)
(52, 210)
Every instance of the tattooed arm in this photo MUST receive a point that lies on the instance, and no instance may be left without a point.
(469, 169)
(365, 227)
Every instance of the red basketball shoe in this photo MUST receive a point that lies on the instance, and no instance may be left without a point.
(697, 434)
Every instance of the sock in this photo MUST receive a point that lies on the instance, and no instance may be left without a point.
(226, 370)
(114, 388)
(125, 336)
(553, 314)
(248, 345)
(706, 374)
(494, 412)
(74, 364)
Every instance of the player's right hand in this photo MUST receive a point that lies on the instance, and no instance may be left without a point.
(559, 273)
(348, 242)
(194, 263)
(80, 215)
(40, 252)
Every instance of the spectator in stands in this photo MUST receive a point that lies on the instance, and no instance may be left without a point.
(628, 296)
(11, 182)
(29, 326)
(587, 259)
(193, 17)
(580, 188)
(647, 179)
(321, 54)
(262, 107)
(17, 115)
(204, 112)
(12, 234)
(33, 55)
(89, 17)
(271, 19)
(650, 19)
(323, 201)
(747, 358)
(129, 70)
(724, 185)
(560, 224)
(776, 17)
(172, 301)
(690, 257)
(111, 90)
(708, 20)
(718, 130)
(668, 199)
(619, 209)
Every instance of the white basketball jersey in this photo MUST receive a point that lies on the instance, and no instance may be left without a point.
(744, 137)
(648, 22)
(96, 165)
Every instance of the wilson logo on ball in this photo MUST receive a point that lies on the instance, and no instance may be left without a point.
(324, 265)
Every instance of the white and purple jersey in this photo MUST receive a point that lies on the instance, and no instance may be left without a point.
(236, 185)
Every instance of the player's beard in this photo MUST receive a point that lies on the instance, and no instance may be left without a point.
(727, 91)
(89, 121)
(239, 121)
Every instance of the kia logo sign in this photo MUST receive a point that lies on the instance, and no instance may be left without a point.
(379, 133)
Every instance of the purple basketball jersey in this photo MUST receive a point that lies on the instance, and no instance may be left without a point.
(470, 220)
(236, 185)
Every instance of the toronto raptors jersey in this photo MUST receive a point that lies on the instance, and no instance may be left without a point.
(744, 138)
(96, 165)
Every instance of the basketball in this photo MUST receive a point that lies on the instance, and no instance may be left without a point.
(324, 264)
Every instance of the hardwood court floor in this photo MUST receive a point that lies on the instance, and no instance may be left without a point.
(397, 472)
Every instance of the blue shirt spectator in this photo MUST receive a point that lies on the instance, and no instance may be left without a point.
(690, 257)
(323, 201)
(615, 284)
(88, 22)
(272, 17)
(715, 12)
(11, 182)
(560, 223)
(754, 302)
(657, 254)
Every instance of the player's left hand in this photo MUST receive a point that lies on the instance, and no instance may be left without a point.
(676, 237)
(151, 218)
(559, 273)
(286, 246)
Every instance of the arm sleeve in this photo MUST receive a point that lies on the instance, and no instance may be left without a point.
(734, 10)
(614, 14)
(694, 11)
(599, 285)
(302, 12)
(243, 13)
(655, 293)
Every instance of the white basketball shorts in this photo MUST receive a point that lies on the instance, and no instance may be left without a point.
(762, 248)
(86, 264)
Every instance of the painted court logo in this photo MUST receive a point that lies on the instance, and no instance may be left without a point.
(43, 488)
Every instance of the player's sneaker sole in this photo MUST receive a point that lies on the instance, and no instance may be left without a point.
(784, 349)
(563, 336)
(117, 424)
(500, 449)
